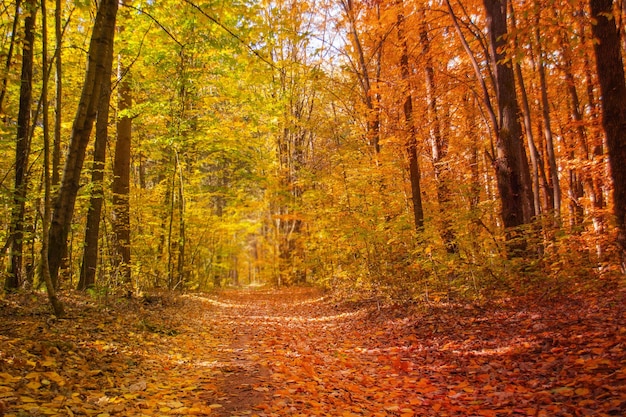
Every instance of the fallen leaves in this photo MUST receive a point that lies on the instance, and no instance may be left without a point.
(128, 360)
(291, 352)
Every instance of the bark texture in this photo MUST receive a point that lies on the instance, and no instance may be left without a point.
(511, 164)
(22, 150)
(610, 70)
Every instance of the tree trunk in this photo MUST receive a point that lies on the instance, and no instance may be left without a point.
(439, 143)
(610, 70)
(370, 98)
(511, 165)
(101, 39)
(411, 136)
(170, 231)
(22, 150)
(92, 233)
(576, 176)
(57, 306)
(9, 60)
(182, 238)
(121, 177)
(58, 120)
(539, 180)
(555, 186)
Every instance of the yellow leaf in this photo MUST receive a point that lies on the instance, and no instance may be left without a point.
(49, 411)
(33, 385)
(7, 378)
(215, 406)
(27, 399)
(53, 376)
(582, 391)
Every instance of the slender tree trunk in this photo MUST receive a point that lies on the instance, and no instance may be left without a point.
(610, 70)
(511, 165)
(7, 67)
(595, 179)
(58, 120)
(363, 75)
(535, 156)
(94, 214)
(57, 306)
(101, 39)
(411, 135)
(555, 185)
(182, 238)
(170, 231)
(469, 115)
(576, 178)
(439, 143)
(22, 150)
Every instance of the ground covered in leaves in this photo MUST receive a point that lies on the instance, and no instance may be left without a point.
(296, 352)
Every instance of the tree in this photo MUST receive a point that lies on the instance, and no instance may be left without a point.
(22, 148)
(409, 122)
(58, 119)
(362, 67)
(610, 68)
(121, 172)
(9, 58)
(439, 143)
(510, 163)
(94, 211)
(101, 41)
(57, 305)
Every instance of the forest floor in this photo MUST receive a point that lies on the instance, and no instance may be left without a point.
(295, 352)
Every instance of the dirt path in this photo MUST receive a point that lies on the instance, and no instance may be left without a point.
(308, 357)
(294, 353)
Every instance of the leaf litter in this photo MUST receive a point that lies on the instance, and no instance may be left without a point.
(294, 352)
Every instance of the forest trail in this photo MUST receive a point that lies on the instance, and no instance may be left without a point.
(293, 352)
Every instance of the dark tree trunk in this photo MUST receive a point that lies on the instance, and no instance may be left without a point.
(101, 40)
(121, 179)
(22, 150)
(610, 70)
(411, 136)
(92, 231)
(511, 164)
(58, 119)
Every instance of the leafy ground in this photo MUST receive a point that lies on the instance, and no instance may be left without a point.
(296, 353)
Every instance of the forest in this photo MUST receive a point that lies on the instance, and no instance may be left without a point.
(369, 164)
(403, 149)
(312, 208)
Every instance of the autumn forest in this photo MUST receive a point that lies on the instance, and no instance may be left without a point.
(391, 158)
